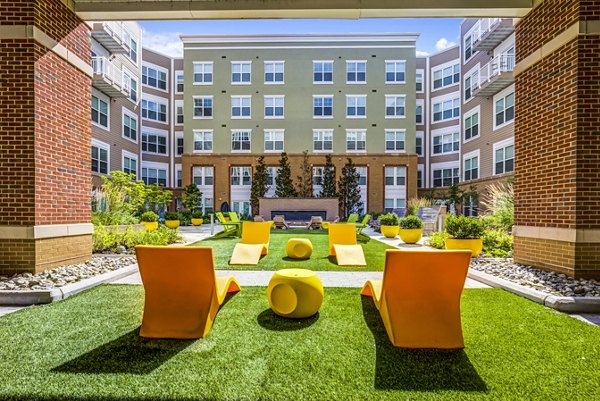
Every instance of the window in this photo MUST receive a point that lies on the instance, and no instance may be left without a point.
(468, 84)
(240, 141)
(130, 164)
(394, 140)
(203, 106)
(133, 50)
(274, 72)
(323, 72)
(395, 176)
(130, 82)
(203, 73)
(446, 76)
(446, 143)
(504, 159)
(179, 79)
(179, 141)
(322, 106)
(241, 207)
(362, 175)
(470, 207)
(272, 171)
(274, 106)
(356, 72)
(154, 176)
(203, 141)
(240, 106)
(179, 112)
(472, 126)
(154, 78)
(419, 178)
(178, 177)
(390, 204)
(419, 144)
(356, 106)
(394, 106)
(468, 46)
(356, 140)
(318, 174)
(203, 176)
(322, 140)
(419, 80)
(100, 157)
(240, 176)
(100, 111)
(129, 126)
(446, 110)
(154, 143)
(505, 110)
(207, 205)
(395, 71)
(419, 112)
(471, 170)
(240, 72)
(445, 177)
(273, 140)
(154, 111)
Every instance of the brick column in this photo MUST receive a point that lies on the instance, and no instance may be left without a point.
(45, 136)
(557, 138)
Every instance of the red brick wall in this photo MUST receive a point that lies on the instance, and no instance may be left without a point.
(18, 12)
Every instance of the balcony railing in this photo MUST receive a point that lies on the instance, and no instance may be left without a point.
(112, 36)
(490, 32)
(108, 78)
(494, 76)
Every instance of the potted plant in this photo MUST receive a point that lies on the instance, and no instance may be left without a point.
(150, 220)
(465, 233)
(172, 219)
(197, 218)
(411, 229)
(389, 225)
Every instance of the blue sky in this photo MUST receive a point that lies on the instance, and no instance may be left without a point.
(436, 34)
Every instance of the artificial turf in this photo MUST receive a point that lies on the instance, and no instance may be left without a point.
(277, 258)
(87, 348)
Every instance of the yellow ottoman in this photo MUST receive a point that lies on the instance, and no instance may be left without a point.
(295, 293)
(298, 248)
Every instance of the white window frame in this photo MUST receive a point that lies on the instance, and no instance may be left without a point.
(468, 75)
(395, 132)
(455, 98)
(395, 176)
(467, 115)
(212, 107)
(275, 133)
(178, 171)
(469, 33)
(321, 138)
(421, 169)
(203, 73)
(241, 175)
(159, 102)
(399, 96)
(502, 95)
(356, 106)
(101, 145)
(156, 132)
(313, 72)
(442, 132)
(420, 135)
(275, 98)
(500, 145)
(204, 170)
(179, 135)
(157, 69)
(356, 63)
(323, 107)
(242, 64)
(468, 156)
(403, 62)
(179, 103)
(177, 74)
(420, 102)
(101, 97)
(203, 132)
(358, 135)
(130, 114)
(156, 166)
(422, 72)
(442, 67)
(274, 62)
(132, 156)
(241, 131)
(132, 78)
(445, 166)
(241, 107)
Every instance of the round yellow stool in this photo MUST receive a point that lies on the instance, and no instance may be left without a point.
(295, 293)
(298, 248)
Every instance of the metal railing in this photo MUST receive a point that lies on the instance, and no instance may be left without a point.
(484, 26)
(117, 32)
(501, 63)
(104, 67)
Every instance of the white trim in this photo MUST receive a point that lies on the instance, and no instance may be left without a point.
(178, 168)
(296, 47)
(443, 98)
(194, 63)
(130, 114)
(422, 70)
(455, 129)
(231, 75)
(324, 130)
(313, 108)
(499, 145)
(157, 132)
(265, 72)
(277, 131)
(287, 38)
(176, 104)
(420, 134)
(178, 134)
(175, 81)
(421, 168)
(138, 84)
(126, 153)
(470, 32)
(157, 68)
(101, 96)
(395, 151)
(241, 97)
(265, 107)
(357, 130)
(441, 67)
(249, 131)
(445, 166)
(313, 72)
(356, 117)
(198, 130)
(420, 102)
(155, 166)
(467, 156)
(501, 95)
(469, 73)
(385, 72)
(356, 82)
(102, 145)
(394, 117)
(194, 117)
(467, 114)
(158, 100)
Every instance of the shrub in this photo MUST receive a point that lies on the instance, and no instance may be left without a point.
(437, 239)
(390, 219)
(197, 215)
(107, 218)
(411, 222)
(149, 217)
(375, 215)
(497, 243)
(499, 202)
(106, 240)
(463, 227)
(185, 218)
(415, 203)
(171, 216)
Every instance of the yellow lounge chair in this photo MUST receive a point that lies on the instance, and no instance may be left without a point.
(254, 243)
(182, 293)
(419, 297)
(343, 245)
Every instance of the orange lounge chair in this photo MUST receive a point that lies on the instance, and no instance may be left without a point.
(343, 245)
(419, 297)
(182, 292)
(254, 243)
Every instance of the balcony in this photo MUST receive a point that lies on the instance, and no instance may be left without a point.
(494, 76)
(491, 32)
(112, 36)
(108, 78)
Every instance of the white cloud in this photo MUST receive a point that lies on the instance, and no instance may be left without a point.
(422, 53)
(167, 43)
(443, 44)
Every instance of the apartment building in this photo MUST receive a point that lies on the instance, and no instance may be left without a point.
(345, 95)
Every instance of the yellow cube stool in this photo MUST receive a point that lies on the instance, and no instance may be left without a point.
(299, 248)
(295, 293)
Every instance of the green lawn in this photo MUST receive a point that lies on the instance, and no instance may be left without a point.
(87, 348)
(277, 259)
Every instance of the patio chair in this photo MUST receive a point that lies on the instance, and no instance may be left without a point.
(279, 222)
(230, 228)
(360, 227)
(316, 222)
(343, 245)
(353, 218)
(254, 243)
(182, 293)
(258, 218)
(419, 297)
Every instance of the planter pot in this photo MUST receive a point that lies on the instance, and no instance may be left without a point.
(150, 225)
(172, 223)
(473, 245)
(197, 222)
(390, 231)
(411, 235)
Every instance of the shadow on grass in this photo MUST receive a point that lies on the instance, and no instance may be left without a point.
(288, 259)
(418, 369)
(271, 321)
(38, 397)
(129, 353)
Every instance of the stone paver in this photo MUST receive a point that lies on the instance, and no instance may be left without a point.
(5, 310)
